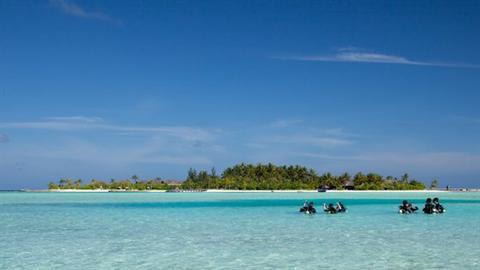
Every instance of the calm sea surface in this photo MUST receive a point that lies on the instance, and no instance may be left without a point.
(234, 231)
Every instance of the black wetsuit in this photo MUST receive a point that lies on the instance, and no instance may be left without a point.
(439, 208)
(405, 209)
(429, 208)
(412, 208)
(308, 208)
(331, 210)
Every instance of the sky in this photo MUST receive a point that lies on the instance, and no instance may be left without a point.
(108, 89)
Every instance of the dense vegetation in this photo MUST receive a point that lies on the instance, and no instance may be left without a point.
(255, 177)
(128, 184)
(269, 176)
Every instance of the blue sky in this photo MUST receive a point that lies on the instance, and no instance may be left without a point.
(108, 89)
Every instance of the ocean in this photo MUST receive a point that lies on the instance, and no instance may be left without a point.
(235, 231)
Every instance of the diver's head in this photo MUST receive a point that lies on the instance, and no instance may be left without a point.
(330, 205)
(429, 200)
(404, 202)
(435, 200)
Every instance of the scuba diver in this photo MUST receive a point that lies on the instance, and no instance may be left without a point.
(304, 208)
(407, 208)
(438, 207)
(308, 208)
(429, 207)
(341, 208)
(330, 209)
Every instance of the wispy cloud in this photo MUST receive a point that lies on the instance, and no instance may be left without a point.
(327, 156)
(73, 9)
(468, 120)
(283, 123)
(4, 138)
(84, 119)
(433, 161)
(176, 160)
(175, 145)
(77, 123)
(353, 55)
(288, 133)
(312, 140)
(254, 145)
(148, 152)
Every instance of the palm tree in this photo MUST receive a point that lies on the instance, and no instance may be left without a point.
(52, 185)
(405, 178)
(78, 183)
(62, 182)
(69, 183)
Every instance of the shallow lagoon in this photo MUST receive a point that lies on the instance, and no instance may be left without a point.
(234, 231)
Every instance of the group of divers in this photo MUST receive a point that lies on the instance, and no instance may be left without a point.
(430, 207)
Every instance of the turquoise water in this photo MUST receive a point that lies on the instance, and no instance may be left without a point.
(234, 231)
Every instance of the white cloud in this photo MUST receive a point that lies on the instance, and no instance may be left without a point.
(283, 133)
(109, 148)
(70, 8)
(351, 54)
(77, 123)
(434, 161)
(113, 153)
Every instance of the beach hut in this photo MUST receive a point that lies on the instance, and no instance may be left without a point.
(348, 185)
(323, 188)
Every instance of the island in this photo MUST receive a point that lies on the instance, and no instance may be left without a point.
(244, 177)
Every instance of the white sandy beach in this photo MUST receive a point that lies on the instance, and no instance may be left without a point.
(237, 191)
(315, 191)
